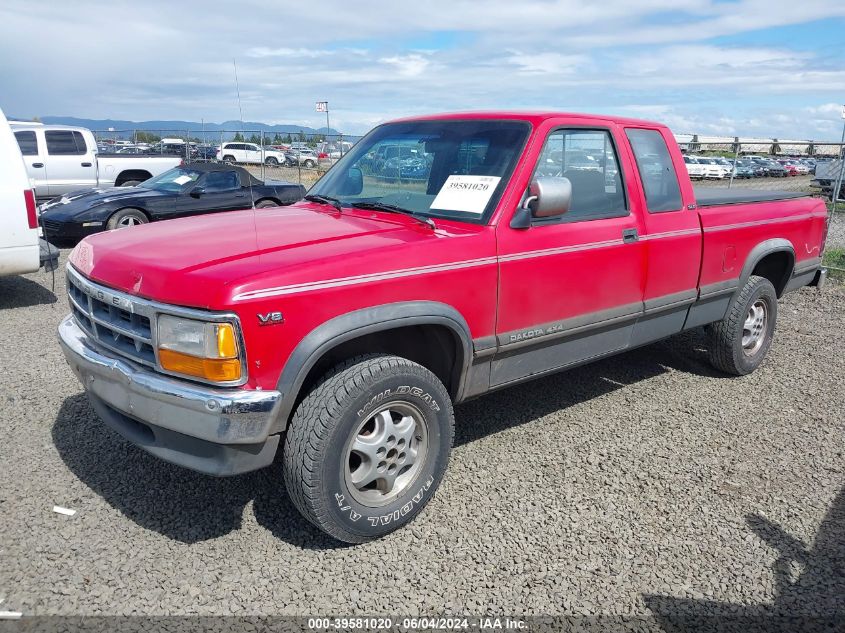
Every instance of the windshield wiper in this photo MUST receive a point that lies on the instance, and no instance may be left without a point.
(334, 202)
(392, 208)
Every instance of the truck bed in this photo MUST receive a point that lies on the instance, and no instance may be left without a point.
(711, 196)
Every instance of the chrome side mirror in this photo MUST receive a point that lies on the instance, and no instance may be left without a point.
(548, 196)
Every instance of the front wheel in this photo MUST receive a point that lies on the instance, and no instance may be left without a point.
(738, 343)
(271, 161)
(310, 164)
(126, 218)
(229, 160)
(367, 448)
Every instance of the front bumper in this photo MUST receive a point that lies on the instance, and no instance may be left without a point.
(214, 431)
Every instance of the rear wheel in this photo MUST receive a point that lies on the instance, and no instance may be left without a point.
(271, 161)
(367, 448)
(309, 163)
(126, 218)
(738, 343)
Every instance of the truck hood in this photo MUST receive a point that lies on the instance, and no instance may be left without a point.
(201, 261)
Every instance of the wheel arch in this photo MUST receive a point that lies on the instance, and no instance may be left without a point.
(773, 259)
(132, 174)
(129, 208)
(420, 329)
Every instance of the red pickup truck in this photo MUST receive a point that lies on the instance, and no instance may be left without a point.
(441, 258)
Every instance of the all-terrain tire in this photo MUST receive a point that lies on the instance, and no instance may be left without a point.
(333, 418)
(725, 338)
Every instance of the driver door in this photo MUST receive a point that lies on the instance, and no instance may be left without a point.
(571, 286)
(215, 191)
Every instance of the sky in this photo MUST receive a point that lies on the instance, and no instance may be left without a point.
(767, 68)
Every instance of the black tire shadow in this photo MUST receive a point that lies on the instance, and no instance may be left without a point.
(21, 292)
(178, 503)
(809, 586)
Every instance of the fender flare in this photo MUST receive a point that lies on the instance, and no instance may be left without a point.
(767, 247)
(358, 323)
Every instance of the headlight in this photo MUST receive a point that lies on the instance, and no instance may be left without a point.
(198, 348)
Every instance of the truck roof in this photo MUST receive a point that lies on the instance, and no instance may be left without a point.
(534, 117)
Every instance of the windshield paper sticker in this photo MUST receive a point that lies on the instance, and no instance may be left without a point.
(181, 180)
(466, 193)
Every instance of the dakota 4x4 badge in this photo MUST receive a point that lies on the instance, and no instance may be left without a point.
(385, 519)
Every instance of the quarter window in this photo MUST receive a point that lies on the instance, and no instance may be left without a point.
(657, 172)
(588, 159)
(65, 142)
(27, 143)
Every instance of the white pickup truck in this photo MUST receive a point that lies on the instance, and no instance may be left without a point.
(60, 159)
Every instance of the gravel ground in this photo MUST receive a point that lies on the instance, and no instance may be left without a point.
(836, 231)
(646, 480)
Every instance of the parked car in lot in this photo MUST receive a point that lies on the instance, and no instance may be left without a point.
(695, 169)
(189, 190)
(794, 167)
(60, 159)
(744, 170)
(249, 153)
(774, 169)
(713, 168)
(339, 331)
(305, 157)
(21, 250)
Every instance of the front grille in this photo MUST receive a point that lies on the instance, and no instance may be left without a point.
(51, 226)
(113, 319)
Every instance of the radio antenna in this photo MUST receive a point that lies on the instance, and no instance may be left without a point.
(241, 112)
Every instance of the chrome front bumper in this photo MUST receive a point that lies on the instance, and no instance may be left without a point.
(215, 431)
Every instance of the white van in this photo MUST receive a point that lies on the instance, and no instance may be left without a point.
(20, 248)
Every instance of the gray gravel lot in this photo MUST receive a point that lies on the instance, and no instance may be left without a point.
(646, 480)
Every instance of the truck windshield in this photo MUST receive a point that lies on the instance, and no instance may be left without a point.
(173, 180)
(440, 169)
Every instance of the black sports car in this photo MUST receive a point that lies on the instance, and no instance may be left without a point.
(187, 190)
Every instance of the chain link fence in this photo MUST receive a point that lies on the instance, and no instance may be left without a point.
(291, 156)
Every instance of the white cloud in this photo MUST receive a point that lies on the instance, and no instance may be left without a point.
(546, 63)
(380, 60)
(407, 65)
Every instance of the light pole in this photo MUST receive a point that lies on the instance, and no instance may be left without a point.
(323, 106)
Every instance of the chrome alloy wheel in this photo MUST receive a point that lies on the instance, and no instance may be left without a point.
(129, 220)
(754, 328)
(386, 453)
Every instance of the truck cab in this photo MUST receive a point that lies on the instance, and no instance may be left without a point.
(58, 159)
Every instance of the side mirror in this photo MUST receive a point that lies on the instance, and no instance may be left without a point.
(196, 192)
(354, 183)
(548, 196)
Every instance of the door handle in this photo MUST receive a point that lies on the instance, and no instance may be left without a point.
(629, 236)
(38, 164)
(86, 164)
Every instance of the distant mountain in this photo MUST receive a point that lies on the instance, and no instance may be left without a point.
(124, 129)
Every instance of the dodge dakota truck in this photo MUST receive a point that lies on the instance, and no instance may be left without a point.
(338, 332)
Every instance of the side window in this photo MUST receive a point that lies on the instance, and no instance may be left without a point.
(660, 181)
(27, 143)
(64, 143)
(216, 181)
(588, 159)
